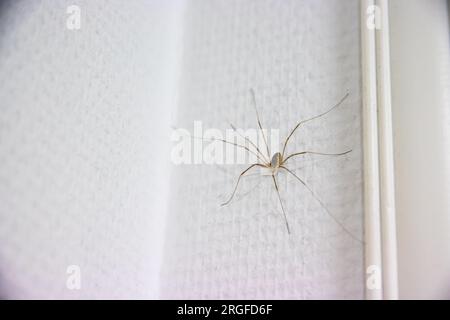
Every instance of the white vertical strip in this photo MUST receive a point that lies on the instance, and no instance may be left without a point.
(370, 145)
(387, 186)
(420, 73)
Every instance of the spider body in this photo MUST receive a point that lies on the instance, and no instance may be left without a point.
(278, 162)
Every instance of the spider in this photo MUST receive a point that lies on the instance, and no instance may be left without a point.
(278, 161)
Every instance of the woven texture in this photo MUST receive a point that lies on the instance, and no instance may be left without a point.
(84, 121)
(84, 175)
(300, 57)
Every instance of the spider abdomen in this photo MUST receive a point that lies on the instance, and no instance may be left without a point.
(276, 160)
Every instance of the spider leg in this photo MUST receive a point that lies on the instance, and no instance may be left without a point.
(281, 203)
(239, 179)
(249, 141)
(323, 205)
(246, 193)
(313, 152)
(259, 122)
(232, 143)
(304, 121)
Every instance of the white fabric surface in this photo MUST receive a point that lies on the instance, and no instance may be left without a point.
(300, 57)
(84, 121)
(84, 177)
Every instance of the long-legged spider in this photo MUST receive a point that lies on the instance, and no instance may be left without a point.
(278, 161)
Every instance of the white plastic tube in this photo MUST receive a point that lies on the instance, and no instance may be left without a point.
(370, 143)
(386, 157)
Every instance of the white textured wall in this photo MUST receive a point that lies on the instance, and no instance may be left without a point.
(84, 117)
(83, 144)
(300, 57)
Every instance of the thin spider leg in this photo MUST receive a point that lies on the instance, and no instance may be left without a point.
(259, 122)
(249, 141)
(239, 179)
(232, 143)
(313, 152)
(281, 203)
(241, 197)
(323, 205)
(306, 164)
(304, 121)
